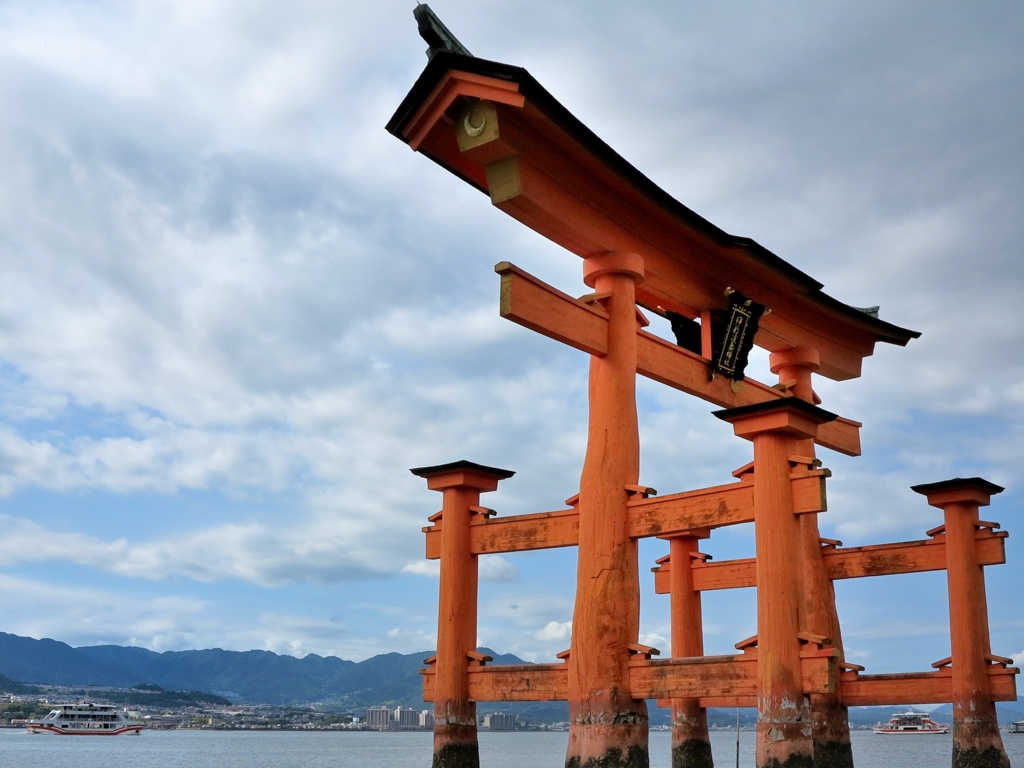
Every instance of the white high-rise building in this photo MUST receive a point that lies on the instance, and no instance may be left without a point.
(498, 721)
(407, 719)
(427, 720)
(379, 718)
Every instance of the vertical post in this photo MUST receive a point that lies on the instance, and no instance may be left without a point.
(976, 739)
(818, 614)
(607, 726)
(784, 734)
(691, 746)
(461, 482)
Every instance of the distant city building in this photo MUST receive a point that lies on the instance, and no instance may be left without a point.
(379, 718)
(498, 721)
(427, 719)
(407, 719)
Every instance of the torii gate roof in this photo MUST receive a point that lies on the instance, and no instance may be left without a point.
(548, 170)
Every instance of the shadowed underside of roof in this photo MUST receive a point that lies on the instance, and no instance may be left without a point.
(543, 166)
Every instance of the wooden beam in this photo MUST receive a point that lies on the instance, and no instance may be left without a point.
(713, 507)
(849, 563)
(919, 687)
(540, 307)
(659, 679)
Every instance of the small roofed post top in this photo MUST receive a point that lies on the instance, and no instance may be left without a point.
(494, 126)
(456, 466)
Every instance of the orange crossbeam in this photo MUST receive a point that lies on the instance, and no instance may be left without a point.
(714, 507)
(850, 563)
(919, 687)
(725, 681)
(540, 307)
(660, 679)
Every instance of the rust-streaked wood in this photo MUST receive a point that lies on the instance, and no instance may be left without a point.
(976, 737)
(776, 430)
(701, 677)
(691, 744)
(461, 483)
(607, 723)
(844, 563)
(729, 504)
(540, 307)
(920, 687)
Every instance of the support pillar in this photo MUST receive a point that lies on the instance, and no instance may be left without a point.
(784, 732)
(461, 482)
(976, 739)
(607, 726)
(818, 614)
(691, 745)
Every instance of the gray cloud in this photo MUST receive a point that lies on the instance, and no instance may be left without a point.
(221, 274)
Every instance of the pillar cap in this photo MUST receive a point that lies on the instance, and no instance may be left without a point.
(805, 357)
(462, 473)
(611, 262)
(455, 466)
(958, 489)
(789, 415)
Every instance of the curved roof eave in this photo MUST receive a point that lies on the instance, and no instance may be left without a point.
(444, 61)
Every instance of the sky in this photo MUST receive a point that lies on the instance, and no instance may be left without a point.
(234, 311)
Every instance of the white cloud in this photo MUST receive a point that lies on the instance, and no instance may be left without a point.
(554, 630)
(222, 276)
(428, 568)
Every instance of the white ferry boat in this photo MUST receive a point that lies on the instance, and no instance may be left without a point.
(85, 720)
(911, 722)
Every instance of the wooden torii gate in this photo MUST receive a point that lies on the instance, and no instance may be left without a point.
(496, 128)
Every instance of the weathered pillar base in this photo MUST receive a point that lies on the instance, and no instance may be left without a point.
(620, 745)
(691, 745)
(831, 729)
(456, 746)
(784, 745)
(978, 744)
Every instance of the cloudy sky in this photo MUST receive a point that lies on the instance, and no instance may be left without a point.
(234, 311)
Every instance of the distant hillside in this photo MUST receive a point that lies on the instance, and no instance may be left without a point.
(247, 676)
(263, 677)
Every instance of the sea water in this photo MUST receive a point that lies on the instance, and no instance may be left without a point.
(366, 749)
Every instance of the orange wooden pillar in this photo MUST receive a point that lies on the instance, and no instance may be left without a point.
(607, 726)
(691, 746)
(818, 614)
(784, 733)
(461, 482)
(976, 739)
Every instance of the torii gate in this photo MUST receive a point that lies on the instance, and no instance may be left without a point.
(495, 127)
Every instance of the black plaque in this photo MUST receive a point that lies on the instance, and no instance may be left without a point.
(735, 336)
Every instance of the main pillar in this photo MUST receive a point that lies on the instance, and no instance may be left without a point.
(818, 614)
(607, 726)
(976, 739)
(691, 745)
(784, 731)
(461, 482)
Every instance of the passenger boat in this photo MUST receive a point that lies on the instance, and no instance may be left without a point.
(85, 720)
(911, 722)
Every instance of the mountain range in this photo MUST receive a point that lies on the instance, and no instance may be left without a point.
(263, 677)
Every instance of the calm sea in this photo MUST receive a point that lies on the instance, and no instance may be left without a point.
(269, 749)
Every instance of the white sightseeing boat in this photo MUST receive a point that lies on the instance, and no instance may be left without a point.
(911, 722)
(85, 720)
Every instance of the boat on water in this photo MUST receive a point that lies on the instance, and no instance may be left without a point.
(910, 722)
(85, 720)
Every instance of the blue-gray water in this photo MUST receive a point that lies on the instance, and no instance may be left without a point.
(270, 749)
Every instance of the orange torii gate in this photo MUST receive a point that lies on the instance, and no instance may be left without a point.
(495, 127)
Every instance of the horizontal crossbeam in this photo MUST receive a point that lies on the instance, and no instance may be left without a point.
(849, 563)
(919, 687)
(540, 307)
(714, 507)
(726, 681)
(658, 679)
